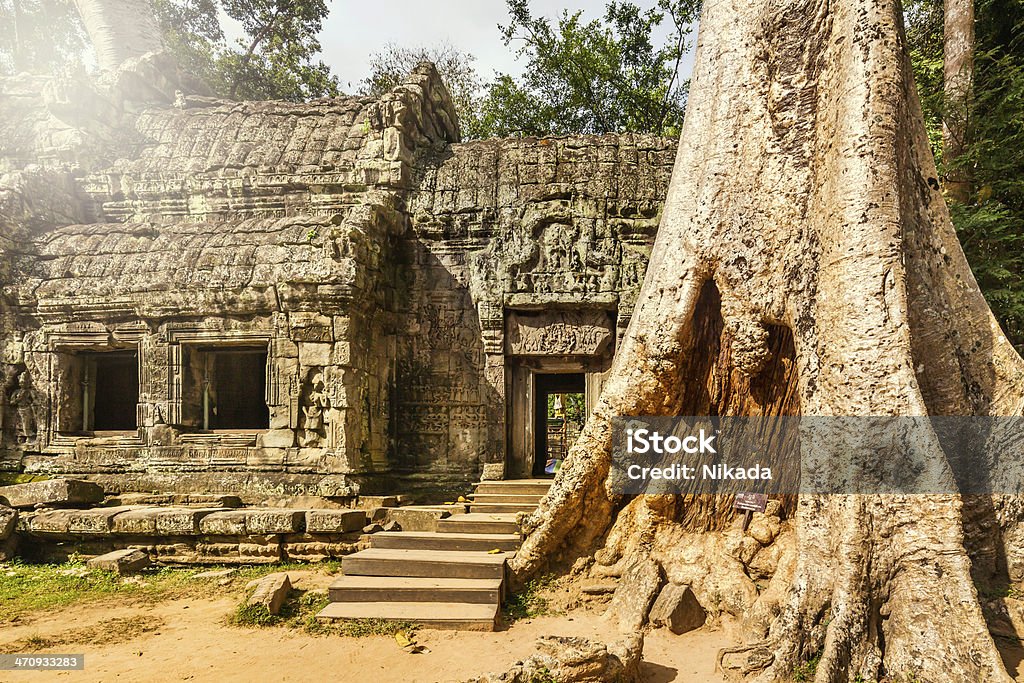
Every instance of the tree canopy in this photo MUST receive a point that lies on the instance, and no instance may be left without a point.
(276, 58)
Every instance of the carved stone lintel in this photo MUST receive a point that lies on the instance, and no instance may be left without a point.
(566, 333)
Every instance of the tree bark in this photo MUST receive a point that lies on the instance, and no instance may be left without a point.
(805, 193)
(958, 80)
(119, 30)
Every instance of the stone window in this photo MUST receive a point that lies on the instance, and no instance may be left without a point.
(100, 392)
(225, 388)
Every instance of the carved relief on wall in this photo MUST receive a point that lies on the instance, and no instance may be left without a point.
(558, 333)
(315, 406)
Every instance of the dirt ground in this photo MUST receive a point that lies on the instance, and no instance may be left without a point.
(189, 640)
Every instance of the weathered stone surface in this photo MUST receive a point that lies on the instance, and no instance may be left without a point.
(320, 547)
(128, 561)
(764, 528)
(334, 521)
(378, 501)
(52, 492)
(633, 596)
(212, 500)
(95, 521)
(371, 255)
(676, 607)
(271, 592)
(372, 528)
(8, 522)
(575, 660)
(415, 519)
(253, 521)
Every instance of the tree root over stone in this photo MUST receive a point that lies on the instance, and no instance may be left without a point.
(805, 228)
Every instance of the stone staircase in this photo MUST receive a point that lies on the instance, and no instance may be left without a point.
(449, 578)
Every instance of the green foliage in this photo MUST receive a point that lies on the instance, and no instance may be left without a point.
(991, 225)
(275, 59)
(39, 36)
(591, 76)
(804, 672)
(529, 603)
(573, 405)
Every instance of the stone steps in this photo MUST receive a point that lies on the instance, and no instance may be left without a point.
(440, 615)
(533, 498)
(425, 563)
(415, 589)
(501, 508)
(480, 523)
(445, 579)
(425, 540)
(529, 486)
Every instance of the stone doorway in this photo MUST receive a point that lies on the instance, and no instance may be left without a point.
(559, 412)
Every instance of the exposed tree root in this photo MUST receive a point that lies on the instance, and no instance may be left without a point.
(806, 264)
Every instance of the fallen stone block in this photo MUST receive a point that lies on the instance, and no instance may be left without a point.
(415, 519)
(635, 593)
(677, 608)
(53, 492)
(392, 526)
(128, 561)
(334, 521)
(271, 592)
(378, 501)
(575, 660)
(372, 528)
(8, 522)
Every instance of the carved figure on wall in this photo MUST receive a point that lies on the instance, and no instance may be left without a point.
(17, 395)
(314, 422)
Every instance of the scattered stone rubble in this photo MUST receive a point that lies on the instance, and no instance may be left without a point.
(576, 660)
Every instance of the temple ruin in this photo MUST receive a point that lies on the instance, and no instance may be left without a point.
(329, 298)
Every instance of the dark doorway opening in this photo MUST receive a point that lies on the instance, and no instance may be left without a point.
(112, 403)
(559, 413)
(237, 386)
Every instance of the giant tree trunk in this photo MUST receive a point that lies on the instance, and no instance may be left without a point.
(119, 30)
(805, 207)
(958, 79)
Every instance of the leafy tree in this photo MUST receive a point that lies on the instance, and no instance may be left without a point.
(276, 58)
(592, 76)
(39, 35)
(990, 219)
(390, 67)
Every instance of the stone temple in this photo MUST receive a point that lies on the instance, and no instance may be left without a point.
(319, 299)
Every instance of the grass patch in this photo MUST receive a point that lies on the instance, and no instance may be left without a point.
(529, 602)
(299, 612)
(29, 588)
(805, 671)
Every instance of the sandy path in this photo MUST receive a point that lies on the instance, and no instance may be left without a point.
(192, 643)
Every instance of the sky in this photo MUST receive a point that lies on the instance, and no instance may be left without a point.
(356, 30)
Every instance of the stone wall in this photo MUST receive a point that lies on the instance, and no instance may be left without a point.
(397, 280)
(559, 226)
